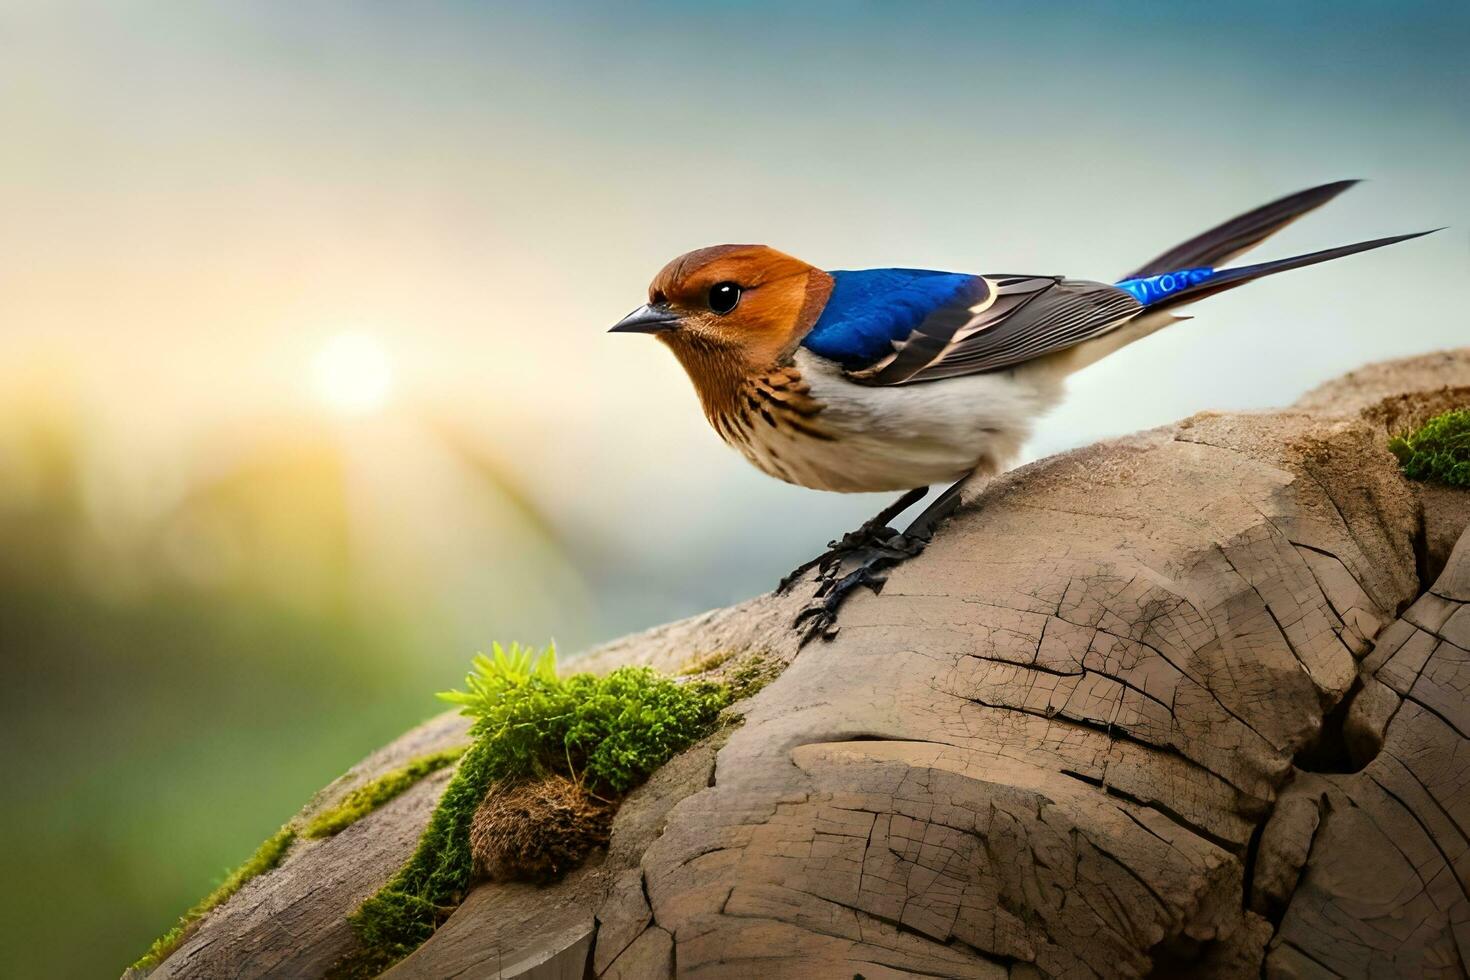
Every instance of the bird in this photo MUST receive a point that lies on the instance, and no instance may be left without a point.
(899, 379)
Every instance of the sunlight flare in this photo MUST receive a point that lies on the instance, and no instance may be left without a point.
(352, 374)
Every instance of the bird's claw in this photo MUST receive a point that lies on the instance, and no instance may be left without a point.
(863, 557)
(820, 615)
(839, 550)
(842, 573)
(873, 534)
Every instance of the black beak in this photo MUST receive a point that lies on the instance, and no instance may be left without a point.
(647, 319)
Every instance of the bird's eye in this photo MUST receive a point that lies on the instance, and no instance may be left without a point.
(723, 296)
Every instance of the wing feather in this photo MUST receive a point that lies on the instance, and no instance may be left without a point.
(1017, 319)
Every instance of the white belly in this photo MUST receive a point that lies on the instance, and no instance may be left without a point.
(904, 436)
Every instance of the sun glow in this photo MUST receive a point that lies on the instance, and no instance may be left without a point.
(352, 374)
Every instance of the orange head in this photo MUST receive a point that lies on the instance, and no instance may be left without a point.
(748, 305)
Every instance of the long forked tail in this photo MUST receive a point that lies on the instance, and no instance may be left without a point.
(1241, 233)
(1187, 272)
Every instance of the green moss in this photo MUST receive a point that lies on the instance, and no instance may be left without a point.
(607, 732)
(373, 794)
(1439, 450)
(706, 663)
(266, 857)
(743, 677)
(407, 910)
(751, 674)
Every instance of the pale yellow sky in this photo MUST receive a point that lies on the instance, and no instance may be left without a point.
(195, 199)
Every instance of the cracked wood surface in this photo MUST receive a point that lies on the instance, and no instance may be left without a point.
(1385, 852)
(1071, 739)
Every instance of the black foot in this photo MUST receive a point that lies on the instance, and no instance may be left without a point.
(864, 556)
(867, 565)
(874, 531)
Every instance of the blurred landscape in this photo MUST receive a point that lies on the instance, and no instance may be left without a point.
(304, 391)
(203, 631)
(192, 649)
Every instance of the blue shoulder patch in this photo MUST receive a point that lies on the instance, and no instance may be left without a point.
(1150, 289)
(869, 309)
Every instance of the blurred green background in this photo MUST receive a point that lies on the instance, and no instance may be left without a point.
(304, 390)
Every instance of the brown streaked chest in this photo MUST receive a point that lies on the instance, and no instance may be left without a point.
(770, 418)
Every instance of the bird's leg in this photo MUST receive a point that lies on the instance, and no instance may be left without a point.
(931, 517)
(876, 527)
(868, 564)
(872, 531)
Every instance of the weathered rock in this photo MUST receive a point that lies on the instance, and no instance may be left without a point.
(1071, 739)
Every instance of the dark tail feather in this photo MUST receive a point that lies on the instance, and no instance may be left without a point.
(1225, 242)
(1230, 278)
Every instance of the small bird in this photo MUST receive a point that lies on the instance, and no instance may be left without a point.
(898, 379)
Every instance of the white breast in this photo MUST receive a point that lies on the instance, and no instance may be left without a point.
(903, 436)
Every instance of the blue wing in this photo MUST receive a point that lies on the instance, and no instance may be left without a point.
(871, 310)
(894, 326)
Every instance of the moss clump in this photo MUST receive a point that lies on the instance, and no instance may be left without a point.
(609, 731)
(368, 797)
(266, 857)
(1439, 450)
(604, 734)
(537, 830)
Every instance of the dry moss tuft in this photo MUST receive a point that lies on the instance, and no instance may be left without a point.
(538, 830)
